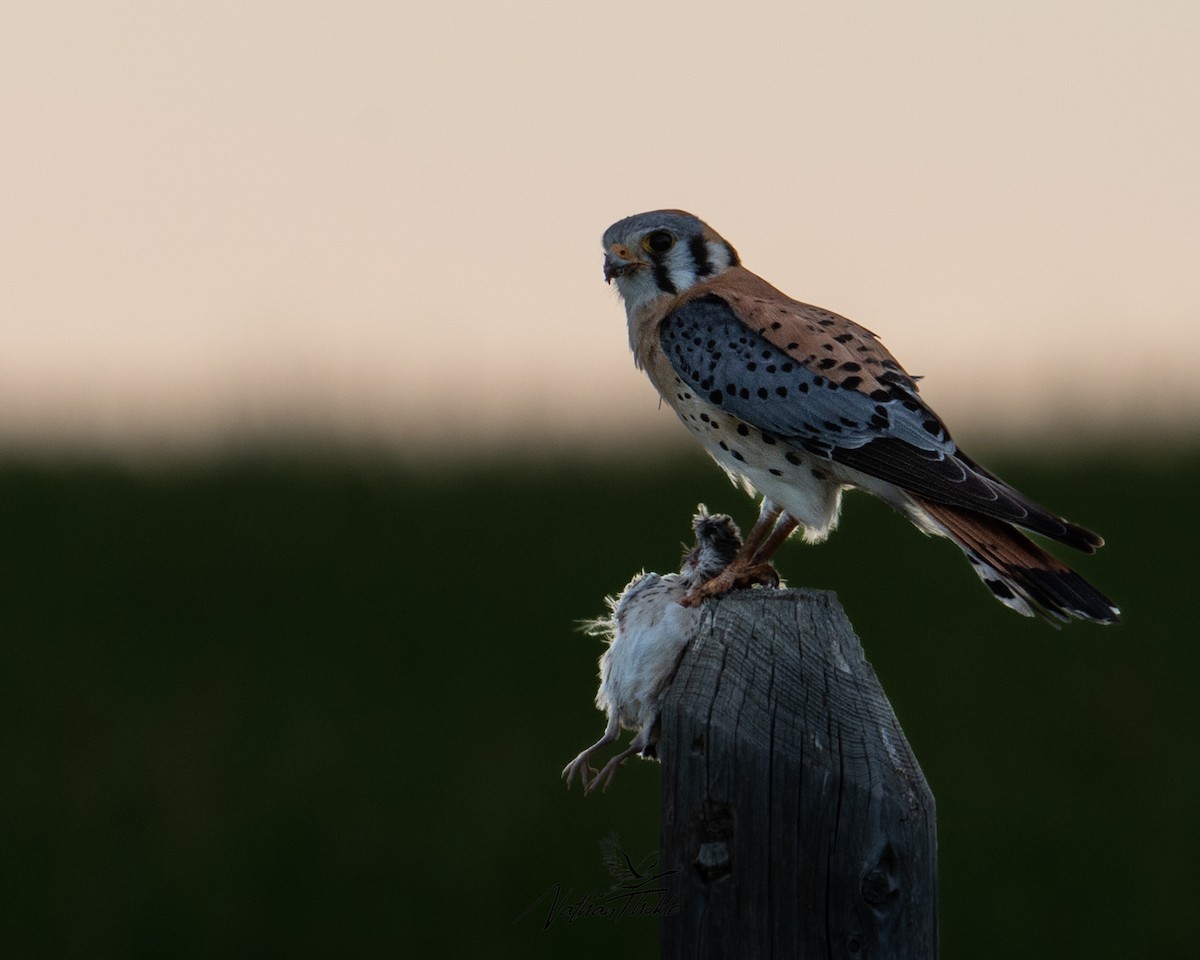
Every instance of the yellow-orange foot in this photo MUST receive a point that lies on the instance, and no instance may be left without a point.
(736, 576)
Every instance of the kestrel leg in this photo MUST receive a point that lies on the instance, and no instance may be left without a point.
(783, 530)
(768, 515)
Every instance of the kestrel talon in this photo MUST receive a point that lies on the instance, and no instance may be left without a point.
(800, 404)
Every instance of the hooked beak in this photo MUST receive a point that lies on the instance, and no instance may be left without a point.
(615, 266)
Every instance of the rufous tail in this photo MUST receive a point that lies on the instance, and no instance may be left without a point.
(1020, 574)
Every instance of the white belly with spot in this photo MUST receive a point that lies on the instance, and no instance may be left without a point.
(807, 488)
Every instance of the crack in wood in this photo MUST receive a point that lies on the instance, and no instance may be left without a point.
(793, 806)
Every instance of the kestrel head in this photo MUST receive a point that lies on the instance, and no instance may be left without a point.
(663, 252)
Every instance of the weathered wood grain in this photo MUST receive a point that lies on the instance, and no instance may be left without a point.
(793, 808)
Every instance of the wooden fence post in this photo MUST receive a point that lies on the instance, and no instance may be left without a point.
(793, 808)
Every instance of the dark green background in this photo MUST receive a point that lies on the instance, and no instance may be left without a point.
(318, 708)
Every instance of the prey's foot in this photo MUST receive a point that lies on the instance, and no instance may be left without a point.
(605, 776)
(736, 576)
(580, 767)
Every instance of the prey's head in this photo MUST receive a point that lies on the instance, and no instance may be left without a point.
(662, 252)
(718, 540)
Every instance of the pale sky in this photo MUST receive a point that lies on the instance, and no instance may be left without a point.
(379, 222)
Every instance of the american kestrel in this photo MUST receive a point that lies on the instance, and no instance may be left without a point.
(647, 633)
(800, 404)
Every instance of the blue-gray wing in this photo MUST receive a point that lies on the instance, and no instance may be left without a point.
(889, 434)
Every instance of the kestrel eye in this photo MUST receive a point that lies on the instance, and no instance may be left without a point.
(658, 242)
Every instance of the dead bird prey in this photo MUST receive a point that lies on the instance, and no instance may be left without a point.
(647, 633)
